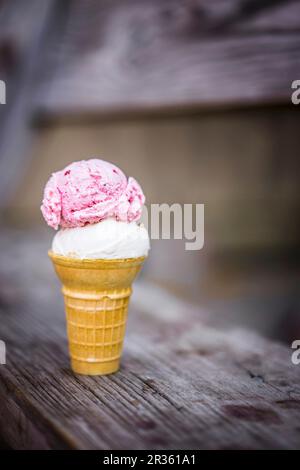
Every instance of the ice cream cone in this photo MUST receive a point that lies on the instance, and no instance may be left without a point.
(96, 293)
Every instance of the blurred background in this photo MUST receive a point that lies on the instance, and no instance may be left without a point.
(191, 97)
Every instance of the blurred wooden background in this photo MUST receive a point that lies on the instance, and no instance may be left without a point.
(191, 97)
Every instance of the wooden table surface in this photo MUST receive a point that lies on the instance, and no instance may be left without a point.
(183, 383)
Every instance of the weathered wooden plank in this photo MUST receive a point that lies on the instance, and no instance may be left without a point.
(23, 27)
(183, 383)
(138, 56)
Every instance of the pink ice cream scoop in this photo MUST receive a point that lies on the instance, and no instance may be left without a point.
(89, 191)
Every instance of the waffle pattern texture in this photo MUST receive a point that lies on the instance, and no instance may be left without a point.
(96, 294)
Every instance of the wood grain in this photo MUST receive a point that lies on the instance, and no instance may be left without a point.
(136, 56)
(183, 383)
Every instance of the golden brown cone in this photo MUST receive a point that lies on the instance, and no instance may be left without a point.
(96, 293)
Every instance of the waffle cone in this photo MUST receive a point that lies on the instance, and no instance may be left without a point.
(96, 294)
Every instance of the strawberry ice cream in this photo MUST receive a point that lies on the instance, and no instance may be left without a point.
(89, 191)
(97, 209)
